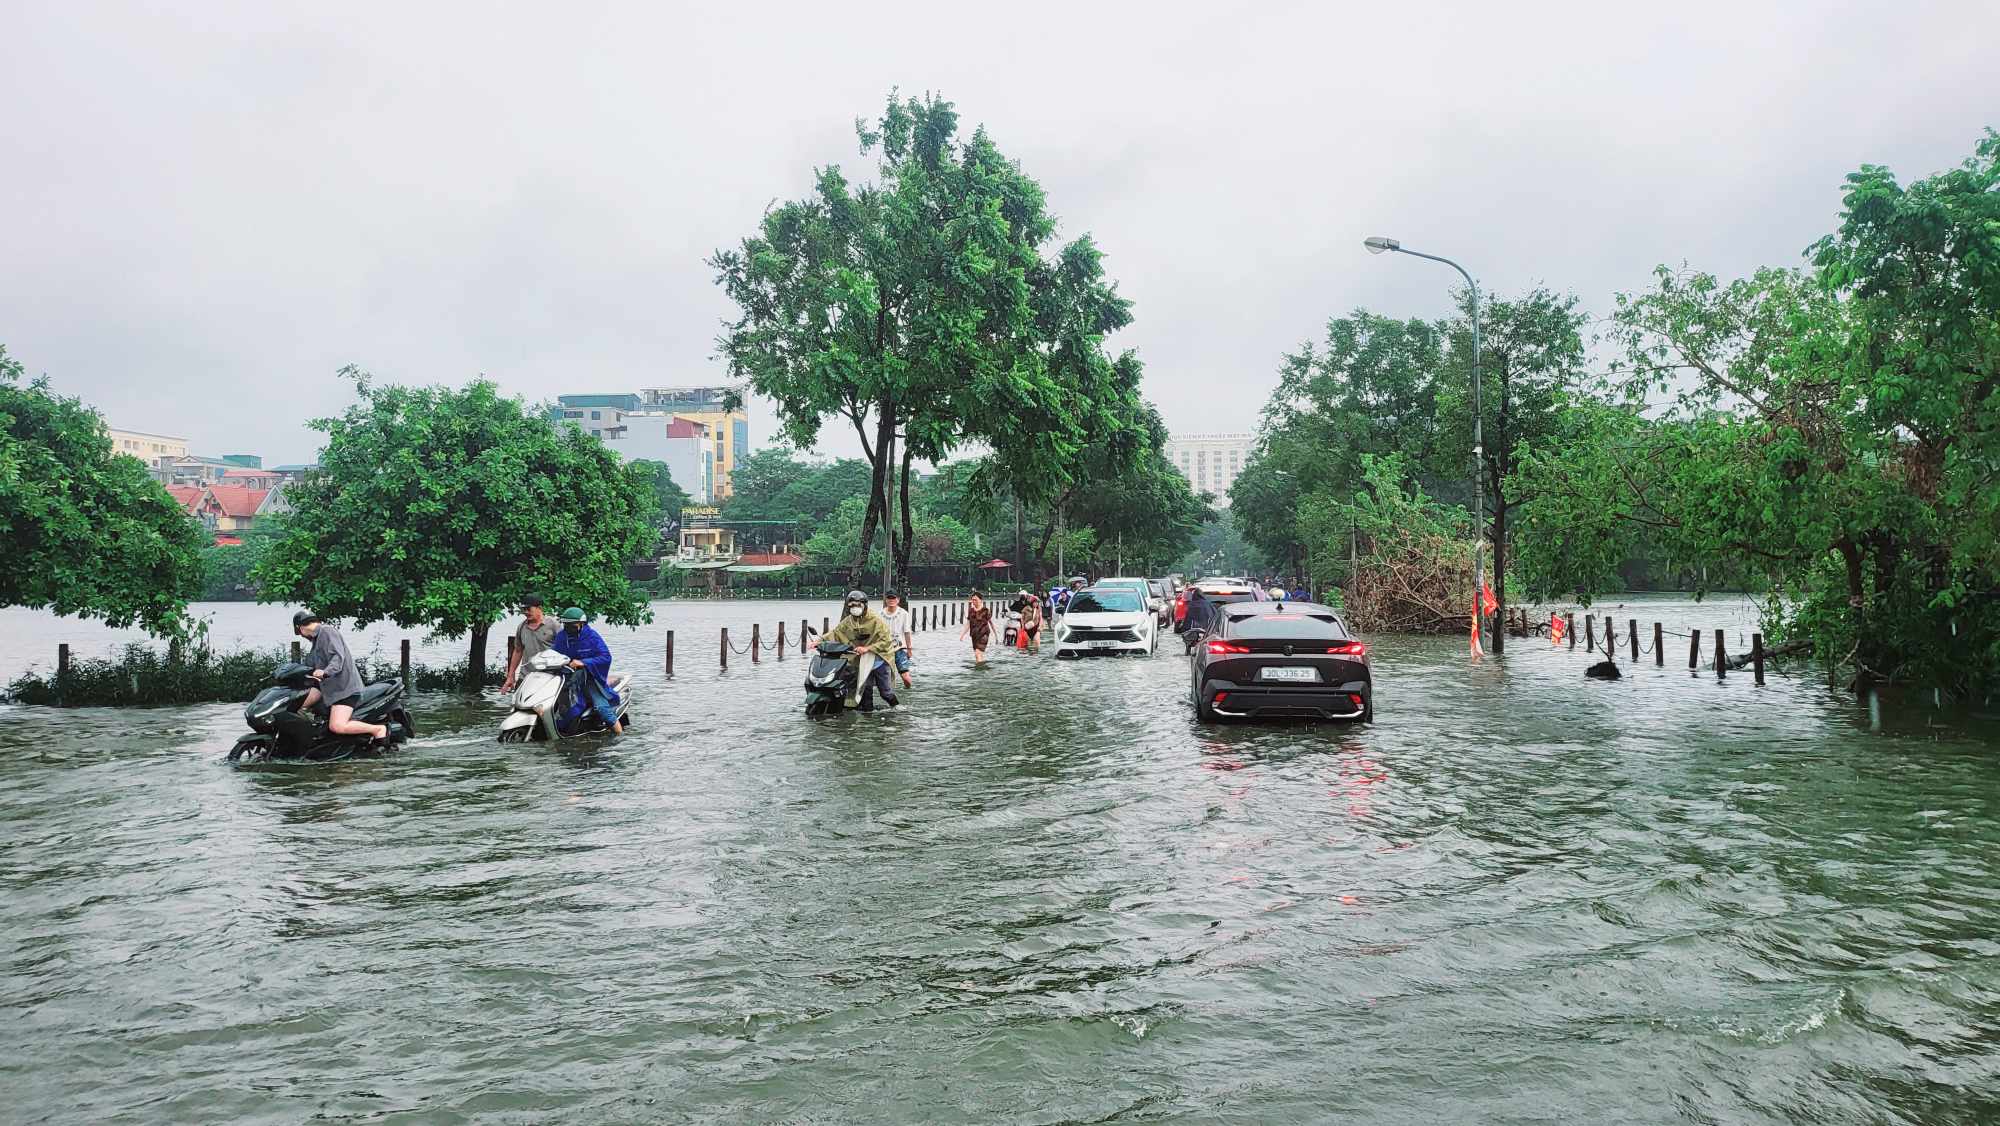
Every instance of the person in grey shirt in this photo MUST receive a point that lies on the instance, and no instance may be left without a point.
(536, 633)
(339, 682)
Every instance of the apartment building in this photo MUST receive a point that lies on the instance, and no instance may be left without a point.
(1210, 462)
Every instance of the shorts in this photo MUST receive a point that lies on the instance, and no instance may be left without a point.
(902, 660)
(346, 701)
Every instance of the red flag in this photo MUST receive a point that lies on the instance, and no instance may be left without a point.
(1486, 598)
(1476, 651)
(1558, 629)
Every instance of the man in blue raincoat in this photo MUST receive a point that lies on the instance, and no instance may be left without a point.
(589, 655)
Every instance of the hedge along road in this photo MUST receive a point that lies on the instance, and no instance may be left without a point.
(1039, 893)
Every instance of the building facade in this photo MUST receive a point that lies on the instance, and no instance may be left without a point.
(149, 448)
(654, 425)
(729, 431)
(1211, 462)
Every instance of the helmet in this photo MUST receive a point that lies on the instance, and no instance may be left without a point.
(854, 596)
(575, 614)
(302, 619)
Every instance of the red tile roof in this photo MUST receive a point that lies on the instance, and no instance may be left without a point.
(226, 540)
(237, 501)
(769, 559)
(188, 495)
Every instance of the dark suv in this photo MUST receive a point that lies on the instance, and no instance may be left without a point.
(1270, 660)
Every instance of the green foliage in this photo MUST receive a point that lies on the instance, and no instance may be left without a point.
(921, 311)
(668, 497)
(1221, 549)
(226, 569)
(939, 538)
(443, 508)
(142, 676)
(87, 532)
(1840, 428)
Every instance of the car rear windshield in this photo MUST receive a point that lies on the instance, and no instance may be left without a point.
(1104, 602)
(1157, 589)
(1310, 627)
(1223, 598)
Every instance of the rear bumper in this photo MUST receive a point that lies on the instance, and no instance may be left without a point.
(1270, 701)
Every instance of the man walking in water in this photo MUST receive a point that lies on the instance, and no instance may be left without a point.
(536, 633)
(902, 626)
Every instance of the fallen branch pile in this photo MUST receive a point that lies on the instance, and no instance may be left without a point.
(1411, 582)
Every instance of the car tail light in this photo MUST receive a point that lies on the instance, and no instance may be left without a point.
(1221, 696)
(1354, 699)
(1226, 647)
(1349, 649)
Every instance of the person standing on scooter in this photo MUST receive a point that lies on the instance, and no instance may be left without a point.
(339, 683)
(536, 633)
(589, 655)
(867, 632)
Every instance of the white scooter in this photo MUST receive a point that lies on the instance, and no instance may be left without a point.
(544, 695)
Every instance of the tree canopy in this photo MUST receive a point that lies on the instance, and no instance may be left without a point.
(1838, 427)
(86, 531)
(922, 311)
(443, 508)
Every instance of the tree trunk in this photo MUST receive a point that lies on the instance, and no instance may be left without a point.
(885, 424)
(475, 658)
(905, 548)
(1499, 637)
(1850, 554)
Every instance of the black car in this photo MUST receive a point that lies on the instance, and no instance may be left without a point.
(1270, 660)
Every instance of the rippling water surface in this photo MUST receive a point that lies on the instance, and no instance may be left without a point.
(1039, 893)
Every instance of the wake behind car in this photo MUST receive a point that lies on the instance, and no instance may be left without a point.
(1104, 621)
(1272, 660)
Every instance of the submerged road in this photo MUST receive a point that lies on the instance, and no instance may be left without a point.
(1040, 893)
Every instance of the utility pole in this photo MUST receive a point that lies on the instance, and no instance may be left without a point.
(1061, 563)
(1020, 537)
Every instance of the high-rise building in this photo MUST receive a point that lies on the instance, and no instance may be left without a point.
(728, 430)
(634, 432)
(1211, 462)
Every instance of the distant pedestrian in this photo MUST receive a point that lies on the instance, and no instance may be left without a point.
(902, 626)
(979, 626)
(1031, 624)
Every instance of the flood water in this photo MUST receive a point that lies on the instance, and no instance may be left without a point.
(1039, 893)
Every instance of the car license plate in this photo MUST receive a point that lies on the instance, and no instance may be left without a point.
(1289, 674)
(1104, 645)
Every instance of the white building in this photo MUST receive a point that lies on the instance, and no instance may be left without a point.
(1211, 462)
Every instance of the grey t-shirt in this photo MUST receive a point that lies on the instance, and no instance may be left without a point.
(534, 639)
(329, 652)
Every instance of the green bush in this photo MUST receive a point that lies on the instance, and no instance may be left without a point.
(143, 675)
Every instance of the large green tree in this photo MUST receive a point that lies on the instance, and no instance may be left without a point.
(921, 310)
(84, 530)
(442, 508)
(1840, 428)
(668, 497)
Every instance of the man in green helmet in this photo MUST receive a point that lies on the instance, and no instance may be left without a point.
(589, 655)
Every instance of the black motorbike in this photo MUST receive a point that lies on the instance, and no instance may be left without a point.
(281, 730)
(829, 678)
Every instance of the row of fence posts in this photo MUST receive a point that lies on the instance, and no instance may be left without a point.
(923, 619)
(1522, 625)
(298, 653)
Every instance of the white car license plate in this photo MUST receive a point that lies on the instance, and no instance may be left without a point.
(1279, 673)
(1107, 645)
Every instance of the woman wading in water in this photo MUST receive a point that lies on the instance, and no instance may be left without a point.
(979, 625)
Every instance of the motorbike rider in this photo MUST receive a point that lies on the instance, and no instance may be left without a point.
(536, 633)
(866, 631)
(589, 655)
(339, 682)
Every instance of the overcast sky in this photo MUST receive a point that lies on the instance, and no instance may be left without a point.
(207, 209)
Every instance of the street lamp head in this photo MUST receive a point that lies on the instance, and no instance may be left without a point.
(1378, 244)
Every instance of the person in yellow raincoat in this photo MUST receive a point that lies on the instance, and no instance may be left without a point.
(868, 633)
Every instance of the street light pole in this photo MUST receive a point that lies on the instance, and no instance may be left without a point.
(1377, 246)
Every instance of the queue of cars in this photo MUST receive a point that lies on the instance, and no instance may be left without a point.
(1250, 656)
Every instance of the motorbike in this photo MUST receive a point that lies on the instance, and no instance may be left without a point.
(281, 731)
(548, 703)
(833, 676)
(1011, 636)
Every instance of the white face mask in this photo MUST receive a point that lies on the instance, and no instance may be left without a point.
(857, 610)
